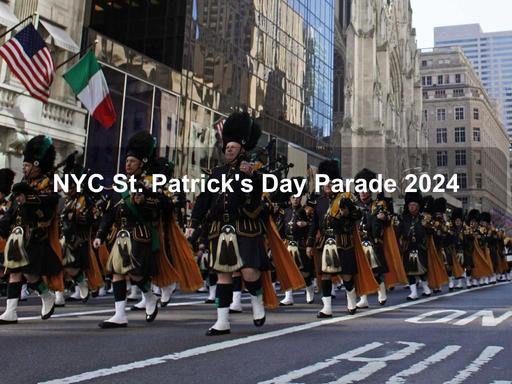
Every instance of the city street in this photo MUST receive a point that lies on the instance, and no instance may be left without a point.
(458, 337)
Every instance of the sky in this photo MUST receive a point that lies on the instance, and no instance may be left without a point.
(492, 15)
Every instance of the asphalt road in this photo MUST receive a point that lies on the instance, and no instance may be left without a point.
(459, 337)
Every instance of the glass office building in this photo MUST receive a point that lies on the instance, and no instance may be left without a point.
(178, 67)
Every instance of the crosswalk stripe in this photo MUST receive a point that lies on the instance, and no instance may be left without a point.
(486, 356)
(399, 378)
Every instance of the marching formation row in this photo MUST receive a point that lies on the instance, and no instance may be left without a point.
(233, 239)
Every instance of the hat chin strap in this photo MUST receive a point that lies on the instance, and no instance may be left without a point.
(29, 176)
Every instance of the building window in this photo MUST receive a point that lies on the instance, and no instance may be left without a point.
(440, 79)
(464, 201)
(442, 135)
(478, 157)
(458, 92)
(478, 180)
(425, 94)
(460, 135)
(460, 157)
(476, 114)
(462, 180)
(459, 113)
(429, 80)
(441, 114)
(424, 63)
(425, 115)
(476, 134)
(423, 80)
(442, 158)
(440, 93)
(457, 78)
(447, 79)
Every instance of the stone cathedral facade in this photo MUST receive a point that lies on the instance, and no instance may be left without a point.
(381, 123)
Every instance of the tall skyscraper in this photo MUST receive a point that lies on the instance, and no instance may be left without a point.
(491, 56)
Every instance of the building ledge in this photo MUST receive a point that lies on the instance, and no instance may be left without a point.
(61, 121)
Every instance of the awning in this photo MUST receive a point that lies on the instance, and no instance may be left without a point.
(60, 37)
(7, 17)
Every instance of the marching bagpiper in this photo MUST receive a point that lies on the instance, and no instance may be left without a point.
(77, 220)
(490, 239)
(470, 230)
(127, 226)
(371, 228)
(6, 181)
(235, 222)
(294, 230)
(456, 248)
(335, 217)
(31, 228)
(413, 243)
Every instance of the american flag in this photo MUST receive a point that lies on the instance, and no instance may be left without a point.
(219, 125)
(29, 59)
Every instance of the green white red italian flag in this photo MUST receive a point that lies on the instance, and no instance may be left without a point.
(88, 82)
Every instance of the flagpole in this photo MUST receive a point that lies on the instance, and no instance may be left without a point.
(77, 54)
(17, 25)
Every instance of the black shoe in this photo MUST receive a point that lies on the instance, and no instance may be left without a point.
(383, 302)
(110, 325)
(451, 289)
(72, 299)
(163, 304)
(234, 311)
(49, 314)
(333, 296)
(60, 305)
(259, 322)
(86, 299)
(322, 315)
(409, 298)
(426, 294)
(216, 332)
(310, 302)
(134, 308)
(150, 318)
(132, 300)
(6, 322)
(437, 291)
(209, 301)
(285, 305)
(352, 311)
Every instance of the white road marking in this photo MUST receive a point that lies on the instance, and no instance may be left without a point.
(361, 374)
(287, 378)
(488, 319)
(423, 318)
(247, 340)
(399, 378)
(377, 363)
(100, 311)
(486, 356)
